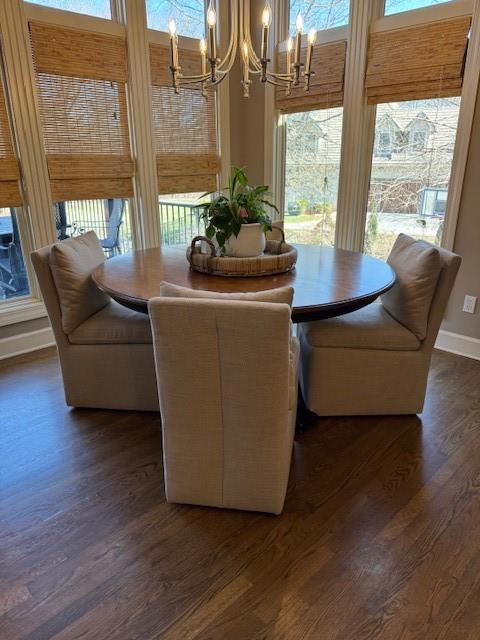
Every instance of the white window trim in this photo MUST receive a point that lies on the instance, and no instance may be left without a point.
(357, 131)
(274, 129)
(22, 94)
(357, 138)
(223, 99)
(22, 309)
(145, 212)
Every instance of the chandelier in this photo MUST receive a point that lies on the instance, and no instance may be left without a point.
(213, 69)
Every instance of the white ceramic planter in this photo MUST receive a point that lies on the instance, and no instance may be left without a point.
(249, 243)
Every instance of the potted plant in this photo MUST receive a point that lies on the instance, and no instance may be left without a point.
(238, 220)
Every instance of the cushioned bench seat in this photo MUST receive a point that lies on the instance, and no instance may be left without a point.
(369, 328)
(113, 324)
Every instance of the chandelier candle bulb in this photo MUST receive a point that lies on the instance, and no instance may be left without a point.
(312, 36)
(212, 21)
(266, 21)
(172, 27)
(298, 48)
(288, 89)
(203, 53)
(246, 69)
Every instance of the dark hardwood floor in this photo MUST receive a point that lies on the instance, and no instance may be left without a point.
(380, 537)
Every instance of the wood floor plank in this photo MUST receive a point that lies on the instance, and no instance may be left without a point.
(378, 540)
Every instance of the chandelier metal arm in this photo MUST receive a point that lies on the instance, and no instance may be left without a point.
(240, 40)
(230, 55)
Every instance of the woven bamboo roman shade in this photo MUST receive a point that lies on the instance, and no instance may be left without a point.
(416, 63)
(9, 173)
(326, 86)
(81, 80)
(185, 128)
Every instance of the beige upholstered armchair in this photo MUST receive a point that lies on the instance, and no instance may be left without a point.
(105, 350)
(376, 360)
(227, 382)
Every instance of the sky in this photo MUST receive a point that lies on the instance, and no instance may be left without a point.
(99, 8)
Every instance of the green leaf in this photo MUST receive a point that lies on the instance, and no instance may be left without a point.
(241, 177)
(207, 193)
(210, 231)
(236, 227)
(221, 238)
(270, 204)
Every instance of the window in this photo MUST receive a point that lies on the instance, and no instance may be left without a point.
(396, 6)
(419, 140)
(81, 79)
(408, 188)
(109, 218)
(189, 16)
(186, 148)
(98, 8)
(313, 142)
(319, 14)
(383, 145)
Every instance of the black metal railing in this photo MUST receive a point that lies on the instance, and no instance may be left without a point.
(180, 221)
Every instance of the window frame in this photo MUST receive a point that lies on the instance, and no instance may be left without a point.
(358, 140)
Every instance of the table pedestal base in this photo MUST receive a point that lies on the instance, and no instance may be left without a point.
(305, 417)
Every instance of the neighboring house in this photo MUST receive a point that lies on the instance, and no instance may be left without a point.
(413, 151)
(313, 157)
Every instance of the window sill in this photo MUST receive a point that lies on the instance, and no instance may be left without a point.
(14, 311)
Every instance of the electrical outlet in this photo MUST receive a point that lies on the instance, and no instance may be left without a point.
(469, 304)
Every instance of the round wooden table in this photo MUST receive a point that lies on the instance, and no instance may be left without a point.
(327, 282)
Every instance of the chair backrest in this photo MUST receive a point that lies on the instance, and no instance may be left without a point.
(41, 264)
(223, 382)
(450, 265)
(425, 277)
(64, 274)
(116, 209)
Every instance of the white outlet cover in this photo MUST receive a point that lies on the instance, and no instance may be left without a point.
(469, 304)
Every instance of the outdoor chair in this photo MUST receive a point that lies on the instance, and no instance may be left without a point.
(111, 244)
(13, 275)
(61, 224)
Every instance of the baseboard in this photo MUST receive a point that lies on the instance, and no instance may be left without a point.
(456, 343)
(26, 342)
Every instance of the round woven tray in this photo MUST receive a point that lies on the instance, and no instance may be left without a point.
(279, 257)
